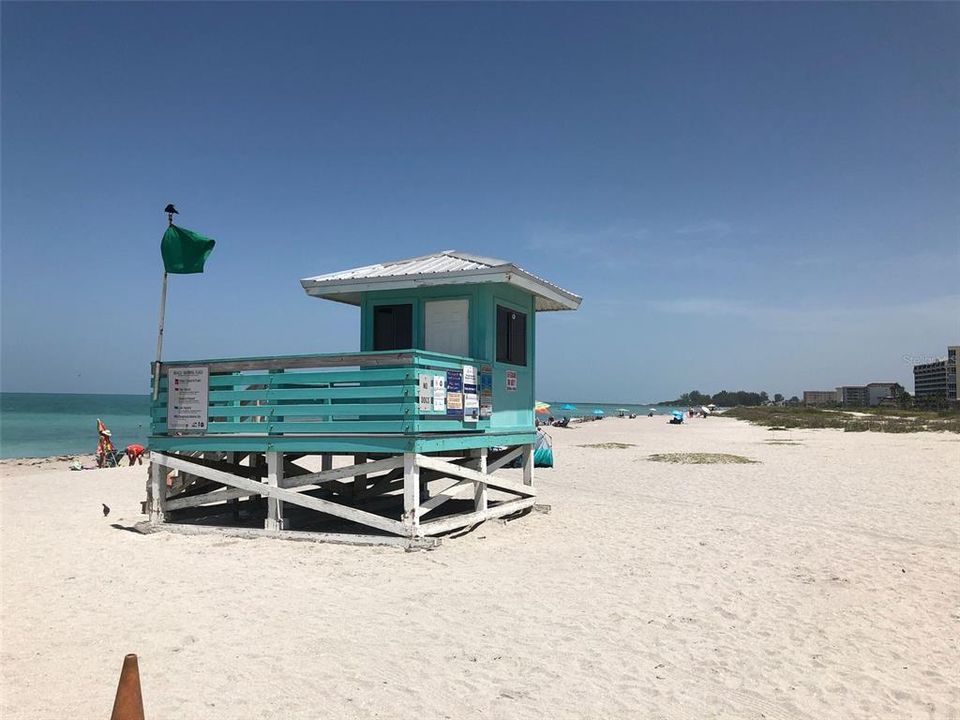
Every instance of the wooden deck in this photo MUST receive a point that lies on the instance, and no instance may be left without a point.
(404, 460)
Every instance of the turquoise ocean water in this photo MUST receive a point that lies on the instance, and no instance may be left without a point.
(41, 425)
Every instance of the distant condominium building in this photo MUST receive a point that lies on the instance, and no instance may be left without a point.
(819, 397)
(881, 393)
(869, 395)
(937, 378)
(852, 396)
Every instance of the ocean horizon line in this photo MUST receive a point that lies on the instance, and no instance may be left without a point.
(31, 392)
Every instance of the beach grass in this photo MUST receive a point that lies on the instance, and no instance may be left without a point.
(888, 420)
(610, 445)
(702, 459)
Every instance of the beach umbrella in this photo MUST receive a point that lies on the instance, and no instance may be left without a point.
(568, 406)
(678, 414)
(622, 410)
(597, 411)
(542, 407)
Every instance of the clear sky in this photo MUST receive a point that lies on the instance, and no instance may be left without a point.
(756, 196)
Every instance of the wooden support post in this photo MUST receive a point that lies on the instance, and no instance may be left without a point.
(411, 494)
(233, 458)
(359, 481)
(158, 492)
(275, 519)
(528, 465)
(326, 461)
(479, 488)
(260, 504)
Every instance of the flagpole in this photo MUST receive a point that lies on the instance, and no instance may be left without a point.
(163, 311)
(156, 365)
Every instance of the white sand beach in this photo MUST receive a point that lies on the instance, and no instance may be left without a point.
(821, 582)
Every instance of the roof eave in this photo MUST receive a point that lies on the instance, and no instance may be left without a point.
(348, 290)
(560, 298)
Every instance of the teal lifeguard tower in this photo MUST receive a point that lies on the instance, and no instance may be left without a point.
(405, 437)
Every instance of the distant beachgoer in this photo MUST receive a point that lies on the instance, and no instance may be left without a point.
(135, 453)
(105, 449)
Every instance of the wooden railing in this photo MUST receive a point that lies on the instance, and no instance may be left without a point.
(370, 392)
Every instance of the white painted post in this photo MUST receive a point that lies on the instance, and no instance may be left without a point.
(158, 492)
(479, 488)
(275, 519)
(411, 494)
(528, 465)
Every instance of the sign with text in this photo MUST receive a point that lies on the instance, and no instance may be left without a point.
(188, 395)
(424, 393)
(454, 393)
(439, 393)
(486, 391)
(471, 400)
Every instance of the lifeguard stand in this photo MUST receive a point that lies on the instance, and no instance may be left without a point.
(439, 399)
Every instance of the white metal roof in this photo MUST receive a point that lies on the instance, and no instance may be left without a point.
(449, 267)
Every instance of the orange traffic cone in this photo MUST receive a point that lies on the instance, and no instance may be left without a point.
(128, 704)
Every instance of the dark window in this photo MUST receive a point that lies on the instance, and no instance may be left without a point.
(392, 327)
(511, 336)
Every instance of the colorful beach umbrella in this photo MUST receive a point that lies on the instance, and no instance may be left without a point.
(541, 407)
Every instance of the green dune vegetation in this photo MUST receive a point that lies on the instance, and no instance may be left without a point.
(878, 419)
(700, 458)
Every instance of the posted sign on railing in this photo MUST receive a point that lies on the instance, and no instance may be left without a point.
(187, 398)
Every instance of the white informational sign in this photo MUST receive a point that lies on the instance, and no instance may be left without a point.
(511, 381)
(471, 408)
(471, 398)
(425, 393)
(188, 393)
(439, 393)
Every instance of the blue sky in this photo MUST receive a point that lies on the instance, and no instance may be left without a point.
(757, 196)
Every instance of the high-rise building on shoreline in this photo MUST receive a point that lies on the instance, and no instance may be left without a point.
(937, 378)
(869, 395)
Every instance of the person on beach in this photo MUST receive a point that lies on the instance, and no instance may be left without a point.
(105, 450)
(135, 453)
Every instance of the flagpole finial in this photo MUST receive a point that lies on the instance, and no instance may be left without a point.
(170, 210)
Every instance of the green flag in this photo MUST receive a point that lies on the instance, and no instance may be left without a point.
(184, 251)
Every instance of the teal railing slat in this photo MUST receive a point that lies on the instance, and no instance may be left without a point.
(261, 396)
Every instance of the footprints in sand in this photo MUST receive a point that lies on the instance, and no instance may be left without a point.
(184, 643)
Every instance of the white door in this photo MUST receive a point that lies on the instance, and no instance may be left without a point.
(447, 326)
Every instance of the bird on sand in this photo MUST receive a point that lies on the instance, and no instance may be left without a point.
(106, 510)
